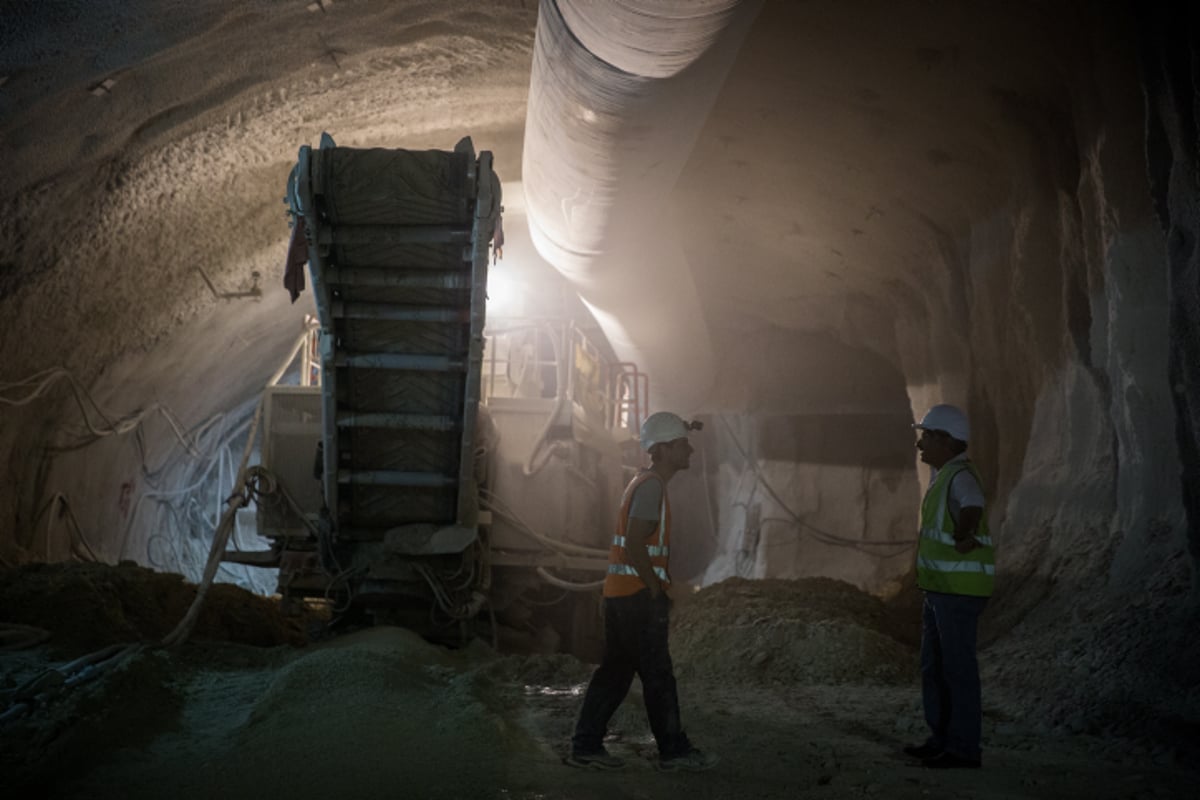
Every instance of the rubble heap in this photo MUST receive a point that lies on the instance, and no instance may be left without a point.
(86, 606)
(807, 631)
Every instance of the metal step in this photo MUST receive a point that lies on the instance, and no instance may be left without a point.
(400, 278)
(413, 422)
(396, 313)
(400, 288)
(400, 361)
(387, 477)
(391, 234)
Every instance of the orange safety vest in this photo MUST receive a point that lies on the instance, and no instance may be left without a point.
(622, 579)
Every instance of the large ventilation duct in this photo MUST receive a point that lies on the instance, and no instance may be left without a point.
(618, 93)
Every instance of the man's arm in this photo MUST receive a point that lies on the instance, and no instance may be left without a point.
(639, 558)
(964, 530)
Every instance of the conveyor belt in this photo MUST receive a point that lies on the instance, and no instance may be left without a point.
(398, 259)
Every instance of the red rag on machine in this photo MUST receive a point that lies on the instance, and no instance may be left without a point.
(498, 240)
(297, 257)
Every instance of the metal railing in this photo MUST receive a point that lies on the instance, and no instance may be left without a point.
(632, 390)
(545, 358)
(523, 360)
(310, 354)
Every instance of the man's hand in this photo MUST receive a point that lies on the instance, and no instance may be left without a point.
(964, 533)
(639, 557)
(666, 592)
(966, 544)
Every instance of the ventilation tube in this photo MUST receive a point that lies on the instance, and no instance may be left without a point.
(618, 94)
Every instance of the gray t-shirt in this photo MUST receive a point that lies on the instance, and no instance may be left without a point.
(965, 491)
(647, 501)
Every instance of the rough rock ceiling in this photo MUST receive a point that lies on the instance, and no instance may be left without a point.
(902, 204)
(851, 140)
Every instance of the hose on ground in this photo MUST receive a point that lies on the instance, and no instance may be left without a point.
(14, 636)
(493, 502)
(48, 684)
(249, 478)
(570, 586)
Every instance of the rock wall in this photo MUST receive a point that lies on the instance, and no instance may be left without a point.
(1047, 321)
(1011, 224)
(1058, 304)
(1170, 59)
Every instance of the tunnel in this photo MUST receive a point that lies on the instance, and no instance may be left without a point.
(806, 222)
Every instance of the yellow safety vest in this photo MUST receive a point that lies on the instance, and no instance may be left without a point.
(622, 579)
(941, 568)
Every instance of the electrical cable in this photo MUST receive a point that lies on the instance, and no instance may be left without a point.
(44, 686)
(152, 475)
(75, 531)
(83, 399)
(570, 586)
(439, 593)
(158, 495)
(247, 477)
(344, 575)
(708, 506)
(540, 603)
(822, 536)
(79, 537)
(493, 502)
(88, 407)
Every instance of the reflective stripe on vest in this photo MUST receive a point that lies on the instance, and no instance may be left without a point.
(622, 579)
(941, 568)
(652, 549)
(955, 566)
(945, 538)
(625, 569)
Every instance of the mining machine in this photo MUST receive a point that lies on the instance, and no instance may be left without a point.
(428, 469)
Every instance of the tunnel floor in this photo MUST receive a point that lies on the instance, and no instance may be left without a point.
(804, 686)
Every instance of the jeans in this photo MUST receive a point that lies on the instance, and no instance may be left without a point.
(950, 672)
(635, 641)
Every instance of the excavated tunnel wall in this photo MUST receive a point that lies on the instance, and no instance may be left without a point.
(1062, 312)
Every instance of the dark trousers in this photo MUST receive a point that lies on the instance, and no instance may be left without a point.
(950, 672)
(635, 641)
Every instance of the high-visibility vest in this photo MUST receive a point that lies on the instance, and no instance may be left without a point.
(941, 568)
(622, 579)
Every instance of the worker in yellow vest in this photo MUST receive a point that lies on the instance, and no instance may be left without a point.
(637, 612)
(956, 570)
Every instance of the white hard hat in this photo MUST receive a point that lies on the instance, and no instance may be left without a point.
(662, 426)
(950, 419)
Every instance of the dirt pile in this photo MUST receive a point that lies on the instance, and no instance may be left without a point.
(807, 631)
(86, 606)
(431, 728)
(1121, 668)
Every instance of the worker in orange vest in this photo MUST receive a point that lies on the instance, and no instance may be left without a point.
(637, 612)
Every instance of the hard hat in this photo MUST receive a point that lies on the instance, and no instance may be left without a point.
(662, 426)
(950, 419)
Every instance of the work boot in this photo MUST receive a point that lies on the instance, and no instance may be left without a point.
(692, 761)
(601, 759)
(951, 761)
(922, 751)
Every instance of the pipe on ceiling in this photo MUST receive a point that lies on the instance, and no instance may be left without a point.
(618, 93)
